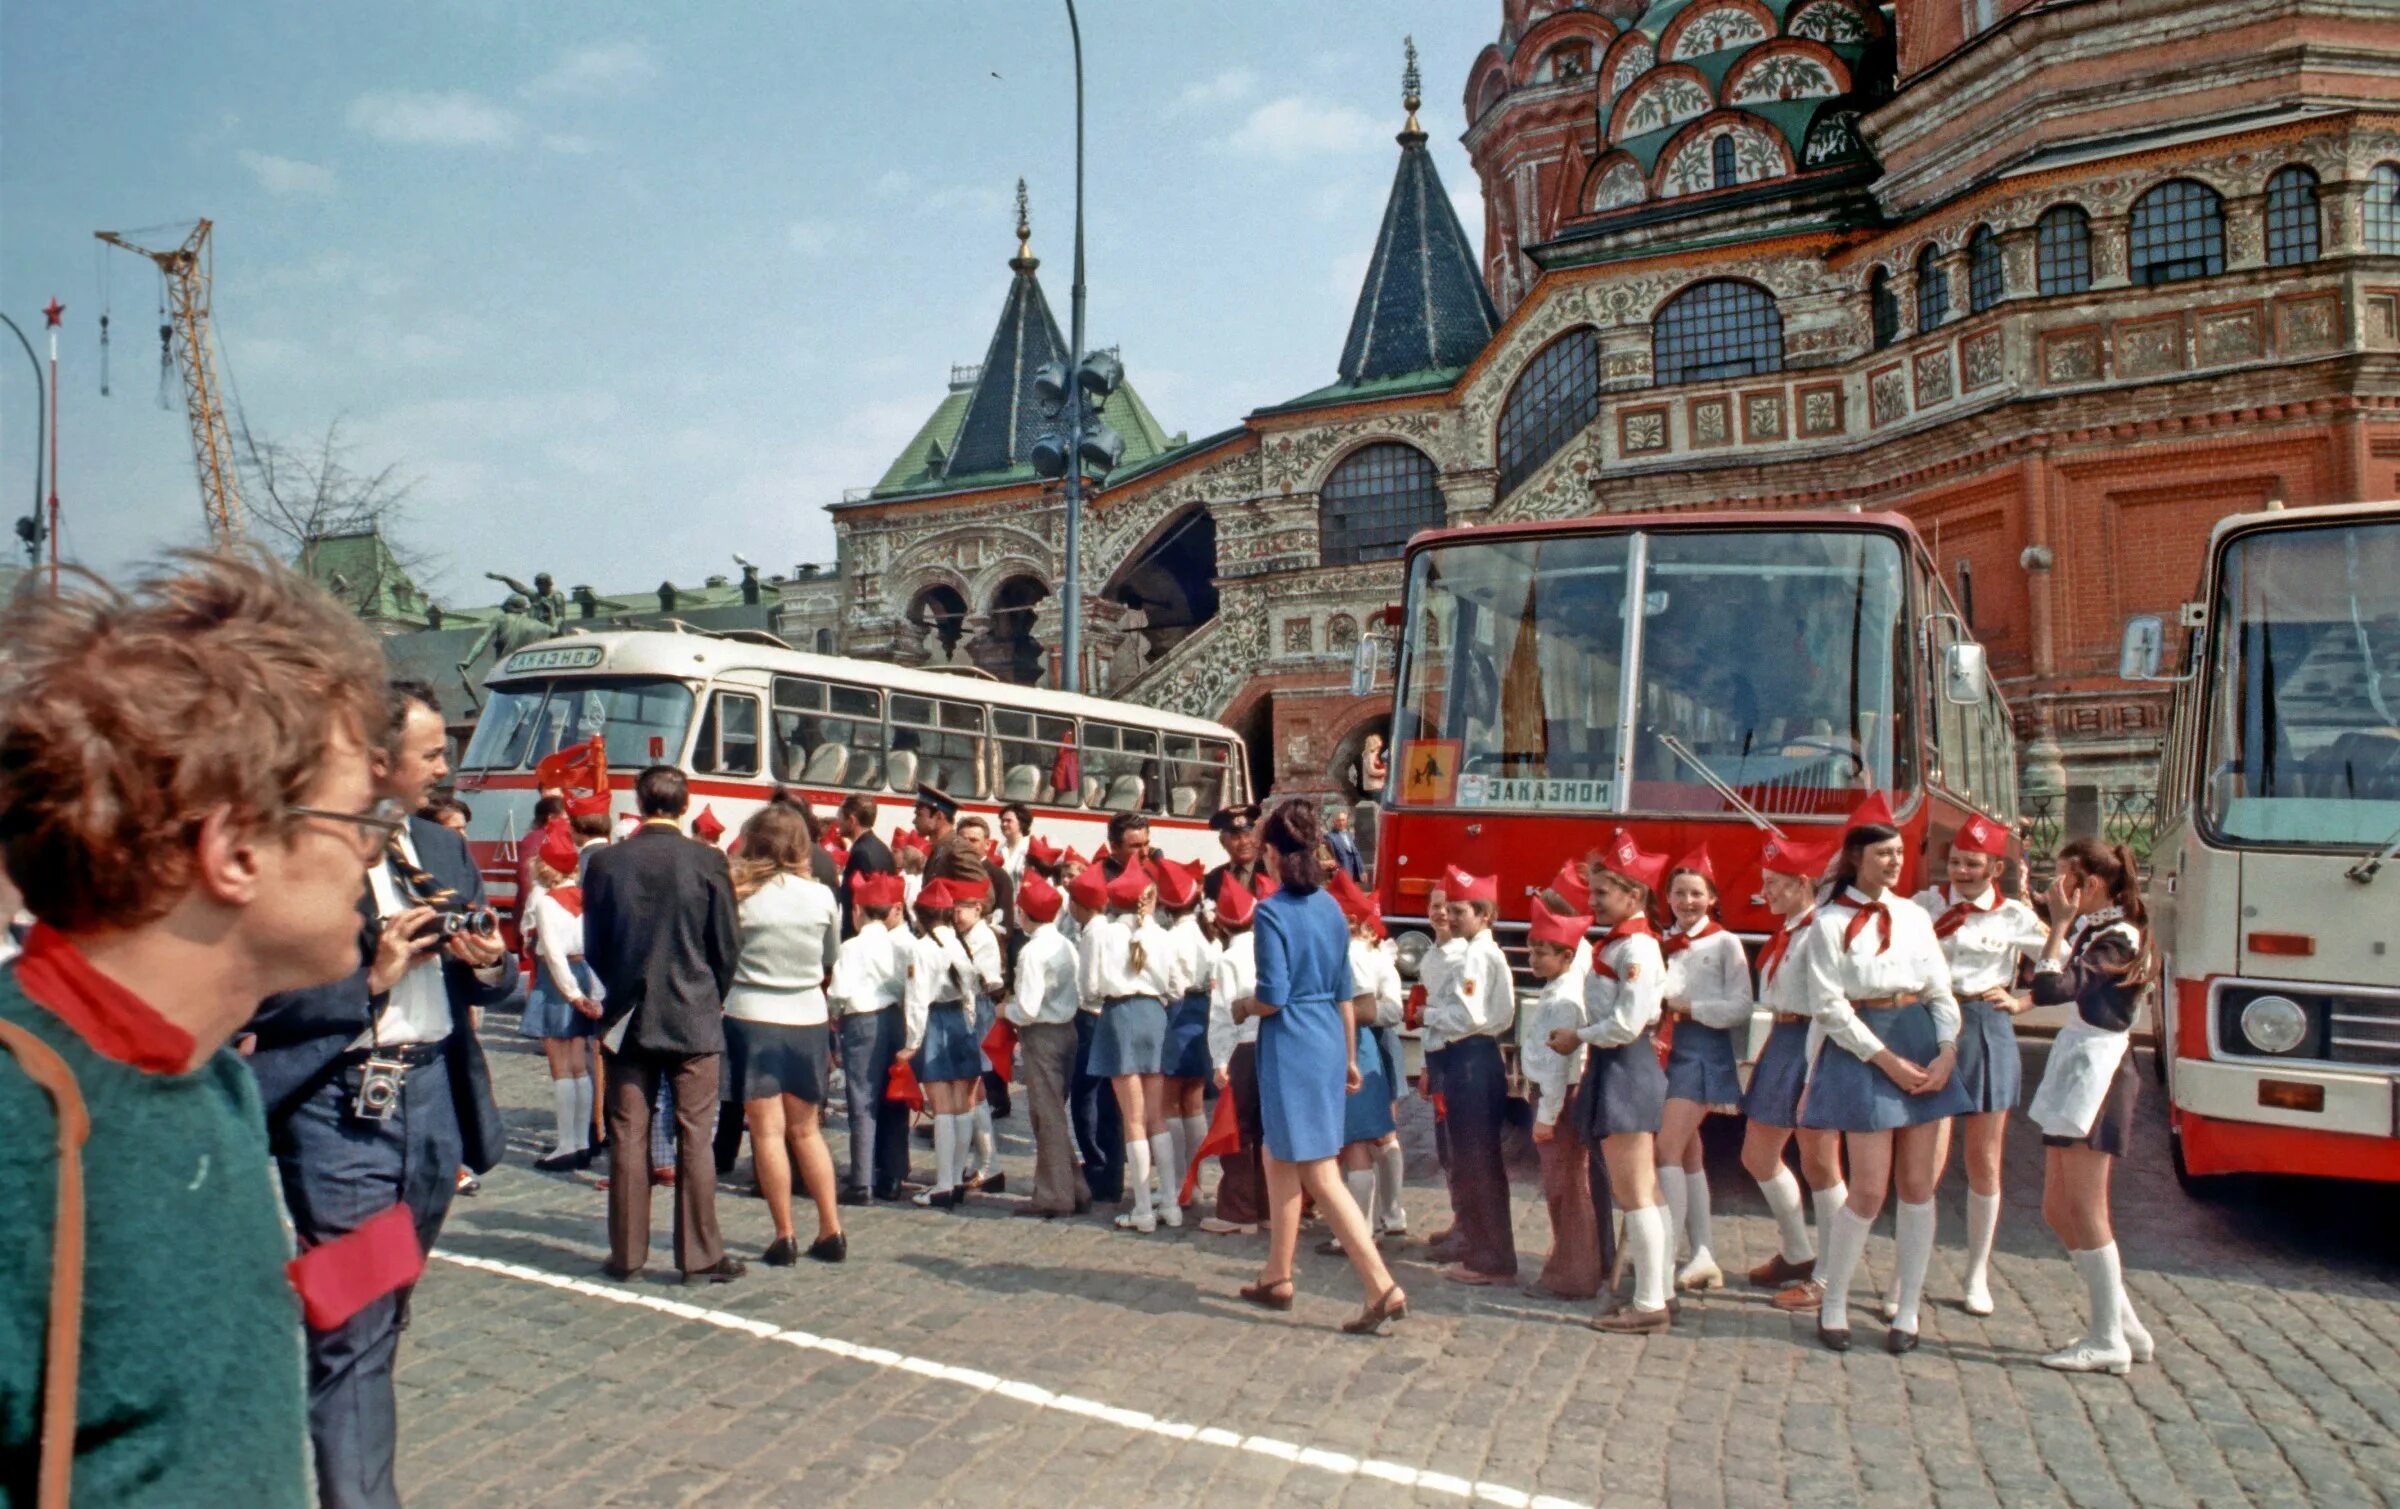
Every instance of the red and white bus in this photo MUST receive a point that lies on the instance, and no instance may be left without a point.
(1663, 673)
(2275, 878)
(744, 713)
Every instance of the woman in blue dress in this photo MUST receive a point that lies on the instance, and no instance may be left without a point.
(1307, 1064)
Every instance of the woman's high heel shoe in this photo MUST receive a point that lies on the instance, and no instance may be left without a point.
(1274, 1296)
(1391, 1305)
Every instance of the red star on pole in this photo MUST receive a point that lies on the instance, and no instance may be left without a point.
(53, 311)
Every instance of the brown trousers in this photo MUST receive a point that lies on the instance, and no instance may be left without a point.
(1241, 1177)
(1573, 1268)
(633, 1079)
(1045, 1064)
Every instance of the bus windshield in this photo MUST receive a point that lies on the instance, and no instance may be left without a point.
(643, 717)
(1772, 663)
(2304, 738)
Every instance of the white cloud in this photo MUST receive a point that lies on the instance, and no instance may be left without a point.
(1224, 89)
(287, 175)
(569, 144)
(606, 70)
(1293, 128)
(812, 238)
(434, 120)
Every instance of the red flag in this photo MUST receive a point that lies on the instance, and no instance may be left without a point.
(1224, 1137)
(337, 1279)
(1000, 1046)
(576, 769)
(1666, 1039)
(902, 1086)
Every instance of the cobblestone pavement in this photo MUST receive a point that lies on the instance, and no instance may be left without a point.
(978, 1359)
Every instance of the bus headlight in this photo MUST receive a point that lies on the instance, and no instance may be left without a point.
(1409, 952)
(2274, 1024)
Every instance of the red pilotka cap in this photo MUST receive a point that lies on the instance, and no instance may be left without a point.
(1564, 930)
(594, 805)
(708, 826)
(1235, 905)
(1874, 812)
(1699, 863)
(1982, 836)
(1458, 885)
(1126, 890)
(558, 847)
(1038, 899)
(1622, 856)
(1178, 887)
(937, 895)
(879, 890)
(1089, 889)
(1790, 856)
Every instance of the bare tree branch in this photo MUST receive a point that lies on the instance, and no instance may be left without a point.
(301, 494)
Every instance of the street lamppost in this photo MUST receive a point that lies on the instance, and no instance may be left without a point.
(29, 528)
(1064, 390)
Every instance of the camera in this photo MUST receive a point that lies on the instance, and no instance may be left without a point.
(378, 1089)
(481, 921)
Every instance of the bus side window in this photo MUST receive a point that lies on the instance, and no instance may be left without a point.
(728, 743)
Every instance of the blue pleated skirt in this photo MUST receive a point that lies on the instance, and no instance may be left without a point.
(1624, 1090)
(547, 1014)
(1848, 1094)
(1702, 1066)
(950, 1050)
(1989, 1064)
(1776, 1080)
(1129, 1038)
(1187, 1038)
(1367, 1110)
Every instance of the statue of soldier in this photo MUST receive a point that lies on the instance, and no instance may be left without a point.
(514, 629)
(547, 603)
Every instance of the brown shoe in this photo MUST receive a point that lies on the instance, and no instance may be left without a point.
(1802, 1298)
(1627, 1321)
(1777, 1272)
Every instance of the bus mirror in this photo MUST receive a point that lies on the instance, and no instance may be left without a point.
(1371, 660)
(1965, 680)
(2145, 641)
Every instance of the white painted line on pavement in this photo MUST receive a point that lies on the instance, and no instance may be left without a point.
(1333, 1462)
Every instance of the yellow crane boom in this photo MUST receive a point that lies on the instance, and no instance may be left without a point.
(188, 272)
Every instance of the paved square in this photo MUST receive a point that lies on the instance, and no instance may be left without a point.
(984, 1360)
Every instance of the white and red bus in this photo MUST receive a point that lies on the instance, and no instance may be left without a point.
(2275, 877)
(744, 713)
(1682, 676)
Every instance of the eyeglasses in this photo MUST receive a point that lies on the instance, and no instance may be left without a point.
(375, 826)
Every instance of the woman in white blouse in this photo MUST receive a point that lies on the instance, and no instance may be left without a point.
(778, 1041)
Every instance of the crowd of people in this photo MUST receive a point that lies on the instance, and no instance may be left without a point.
(252, 995)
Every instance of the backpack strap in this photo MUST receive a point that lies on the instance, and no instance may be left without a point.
(63, 1347)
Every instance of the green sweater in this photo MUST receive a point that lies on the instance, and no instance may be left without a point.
(192, 1387)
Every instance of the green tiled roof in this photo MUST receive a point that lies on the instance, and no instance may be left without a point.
(361, 570)
(941, 430)
(1432, 380)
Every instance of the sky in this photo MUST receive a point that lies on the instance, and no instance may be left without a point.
(627, 288)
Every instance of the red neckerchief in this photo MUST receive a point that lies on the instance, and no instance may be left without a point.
(117, 1023)
(1866, 912)
(1631, 927)
(1677, 941)
(1770, 958)
(1956, 914)
(569, 898)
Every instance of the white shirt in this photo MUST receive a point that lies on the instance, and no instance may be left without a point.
(1195, 957)
(1785, 992)
(418, 1008)
(983, 954)
(936, 970)
(1374, 977)
(558, 942)
(791, 940)
(1617, 1011)
(1983, 953)
(1108, 964)
(872, 972)
(1236, 979)
(1713, 976)
(1560, 1004)
(1048, 991)
(1839, 973)
(1477, 995)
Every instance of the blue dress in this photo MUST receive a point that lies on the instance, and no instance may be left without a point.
(1303, 968)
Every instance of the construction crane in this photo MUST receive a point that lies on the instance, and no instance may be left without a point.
(188, 273)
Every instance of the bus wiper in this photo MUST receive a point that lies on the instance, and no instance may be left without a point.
(1675, 748)
(2364, 871)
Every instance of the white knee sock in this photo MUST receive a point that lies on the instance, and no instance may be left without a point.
(562, 1098)
(2104, 1276)
(1137, 1173)
(1983, 1221)
(1170, 1179)
(1652, 1248)
(583, 1111)
(1791, 1226)
(1696, 1214)
(1193, 1130)
(1913, 1230)
(1671, 1188)
(1831, 1198)
(986, 1146)
(1845, 1244)
(1390, 1168)
(946, 1131)
(1361, 1183)
(1170, 1169)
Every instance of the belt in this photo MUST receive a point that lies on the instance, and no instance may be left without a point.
(1790, 1018)
(413, 1055)
(1879, 1003)
(1121, 1000)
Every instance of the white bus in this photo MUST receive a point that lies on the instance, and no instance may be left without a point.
(2275, 880)
(744, 713)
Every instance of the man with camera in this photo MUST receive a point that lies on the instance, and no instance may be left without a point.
(376, 1091)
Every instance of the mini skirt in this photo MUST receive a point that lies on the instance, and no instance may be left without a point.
(2112, 1128)
(1989, 1065)
(547, 1014)
(1367, 1110)
(951, 1051)
(1848, 1094)
(1187, 1038)
(767, 1059)
(1701, 1066)
(1129, 1038)
(1776, 1080)
(1624, 1090)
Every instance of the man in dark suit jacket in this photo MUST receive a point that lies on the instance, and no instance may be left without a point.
(410, 1006)
(869, 855)
(659, 931)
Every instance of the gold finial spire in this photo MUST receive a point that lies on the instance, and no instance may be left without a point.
(1411, 85)
(1024, 224)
